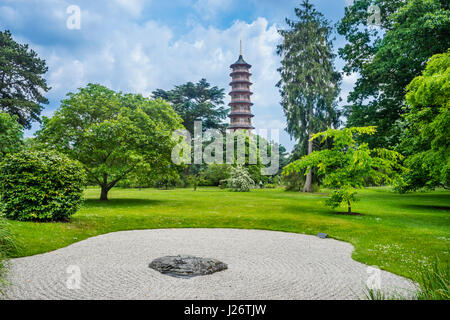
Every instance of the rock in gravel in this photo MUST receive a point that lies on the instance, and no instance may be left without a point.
(186, 266)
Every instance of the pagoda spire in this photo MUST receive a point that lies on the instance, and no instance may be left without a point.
(240, 48)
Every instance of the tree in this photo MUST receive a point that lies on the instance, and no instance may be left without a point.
(413, 30)
(21, 81)
(196, 101)
(112, 134)
(10, 134)
(347, 166)
(309, 84)
(426, 139)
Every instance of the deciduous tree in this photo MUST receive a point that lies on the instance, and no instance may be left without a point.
(426, 141)
(348, 165)
(112, 134)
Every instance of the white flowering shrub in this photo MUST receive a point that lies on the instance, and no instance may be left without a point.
(240, 180)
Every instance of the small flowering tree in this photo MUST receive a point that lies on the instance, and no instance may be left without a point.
(240, 179)
(348, 165)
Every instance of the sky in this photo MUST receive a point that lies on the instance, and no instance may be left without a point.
(138, 46)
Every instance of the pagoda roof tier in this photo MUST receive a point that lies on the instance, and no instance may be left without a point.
(238, 114)
(240, 81)
(241, 126)
(240, 62)
(241, 91)
(240, 72)
(232, 103)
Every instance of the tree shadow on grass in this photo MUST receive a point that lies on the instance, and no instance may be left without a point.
(426, 207)
(122, 203)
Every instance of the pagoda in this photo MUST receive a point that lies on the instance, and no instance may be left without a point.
(241, 113)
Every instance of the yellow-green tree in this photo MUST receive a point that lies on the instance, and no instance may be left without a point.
(347, 165)
(426, 139)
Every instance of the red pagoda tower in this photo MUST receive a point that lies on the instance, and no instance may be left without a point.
(241, 113)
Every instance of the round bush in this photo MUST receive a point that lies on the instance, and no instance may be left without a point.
(40, 186)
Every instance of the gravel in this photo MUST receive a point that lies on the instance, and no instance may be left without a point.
(261, 265)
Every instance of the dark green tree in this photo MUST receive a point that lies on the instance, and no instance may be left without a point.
(197, 102)
(387, 58)
(21, 81)
(309, 84)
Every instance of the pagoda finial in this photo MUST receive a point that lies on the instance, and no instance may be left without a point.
(240, 48)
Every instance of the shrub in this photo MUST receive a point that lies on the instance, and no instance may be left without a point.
(40, 186)
(215, 173)
(294, 181)
(240, 180)
(10, 134)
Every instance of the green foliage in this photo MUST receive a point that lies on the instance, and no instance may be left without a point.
(21, 81)
(214, 173)
(294, 181)
(426, 143)
(307, 59)
(197, 102)
(433, 280)
(40, 186)
(345, 195)
(10, 135)
(240, 179)
(7, 246)
(113, 134)
(309, 84)
(348, 164)
(388, 58)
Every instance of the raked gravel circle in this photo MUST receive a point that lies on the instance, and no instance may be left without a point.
(261, 265)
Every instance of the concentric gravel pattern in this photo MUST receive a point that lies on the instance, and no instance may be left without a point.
(261, 265)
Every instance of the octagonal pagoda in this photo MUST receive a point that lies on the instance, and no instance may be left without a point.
(241, 113)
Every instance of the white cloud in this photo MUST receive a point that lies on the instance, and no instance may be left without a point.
(209, 9)
(133, 7)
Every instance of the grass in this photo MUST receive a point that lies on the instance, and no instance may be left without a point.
(398, 233)
(434, 284)
(7, 246)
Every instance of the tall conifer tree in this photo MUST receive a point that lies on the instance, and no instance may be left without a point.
(309, 84)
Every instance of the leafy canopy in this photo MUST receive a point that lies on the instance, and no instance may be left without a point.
(40, 186)
(388, 57)
(309, 84)
(426, 139)
(196, 102)
(10, 135)
(112, 134)
(21, 81)
(348, 165)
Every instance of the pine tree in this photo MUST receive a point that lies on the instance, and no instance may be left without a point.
(309, 84)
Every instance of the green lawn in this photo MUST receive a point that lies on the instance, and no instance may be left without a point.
(398, 233)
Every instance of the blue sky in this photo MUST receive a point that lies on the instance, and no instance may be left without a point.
(140, 45)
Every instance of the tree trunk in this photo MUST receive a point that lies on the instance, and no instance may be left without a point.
(308, 183)
(349, 207)
(104, 194)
